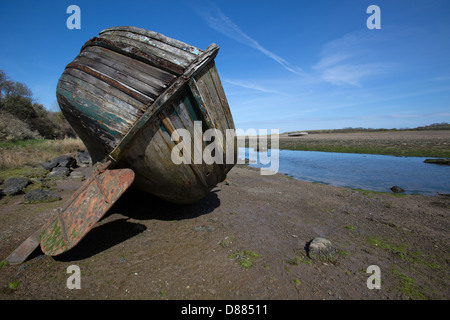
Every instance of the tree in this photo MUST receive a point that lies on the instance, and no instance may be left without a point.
(16, 103)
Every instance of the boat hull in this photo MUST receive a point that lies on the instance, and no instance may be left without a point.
(126, 94)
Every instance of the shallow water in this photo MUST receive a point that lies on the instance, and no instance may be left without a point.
(360, 171)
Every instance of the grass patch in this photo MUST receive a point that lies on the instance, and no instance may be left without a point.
(295, 260)
(31, 153)
(162, 294)
(408, 286)
(13, 285)
(26, 172)
(410, 148)
(368, 193)
(226, 242)
(402, 251)
(244, 258)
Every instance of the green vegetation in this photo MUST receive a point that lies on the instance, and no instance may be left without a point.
(163, 293)
(295, 260)
(368, 193)
(226, 242)
(362, 147)
(244, 258)
(434, 126)
(13, 285)
(426, 141)
(21, 118)
(408, 286)
(28, 154)
(403, 251)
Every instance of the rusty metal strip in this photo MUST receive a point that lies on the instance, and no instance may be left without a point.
(84, 209)
(202, 61)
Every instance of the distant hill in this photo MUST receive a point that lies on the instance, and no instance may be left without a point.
(434, 126)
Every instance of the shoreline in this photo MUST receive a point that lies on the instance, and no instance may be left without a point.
(426, 143)
(135, 251)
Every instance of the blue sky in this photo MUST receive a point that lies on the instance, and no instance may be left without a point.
(287, 65)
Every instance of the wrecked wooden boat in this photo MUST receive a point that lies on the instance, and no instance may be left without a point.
(126, 94)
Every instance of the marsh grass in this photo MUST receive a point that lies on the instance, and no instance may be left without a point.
(31, 153)
(244, 258)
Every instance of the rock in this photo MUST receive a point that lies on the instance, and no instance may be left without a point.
(445, 162)
(59, 172)
(83, 158)
(61, 161)
(204, 228)
(322, 249)
(397, 189)
(15, 186)
(39, 195)
(77, 175)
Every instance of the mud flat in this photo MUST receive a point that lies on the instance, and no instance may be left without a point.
(431, 143)
(245, 240)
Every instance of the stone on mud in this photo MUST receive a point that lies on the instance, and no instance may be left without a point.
(83, 158)
(61, 161)
(59, 172)
(321, 249)
(397, 189)
(15, 186)
(39, 195)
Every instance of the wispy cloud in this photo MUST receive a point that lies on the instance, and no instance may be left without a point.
(346, 60)
(218, 21)
(253, 86)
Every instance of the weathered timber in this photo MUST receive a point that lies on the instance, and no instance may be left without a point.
(126, 94)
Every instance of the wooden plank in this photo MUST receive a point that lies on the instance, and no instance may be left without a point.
(101, 65)
(168, 94)
(135, 53)
(210, 100)
(157, 36)
(78, 77)
(152, 42)
(221, 93)
(98, 141)
(160, 77)
(110, 113)
(161, 54)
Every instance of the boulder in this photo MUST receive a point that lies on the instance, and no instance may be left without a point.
(61, 161)
(397, 189)
(39, 195)
(59, 172)
(83, 158)
(321, 249)
(77, 175)
(15, 186)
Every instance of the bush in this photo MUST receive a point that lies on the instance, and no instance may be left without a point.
(13, 129)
